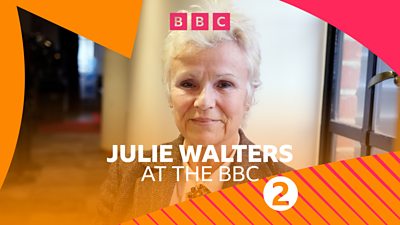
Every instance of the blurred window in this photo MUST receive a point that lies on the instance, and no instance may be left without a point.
(357, 120)
(86, 58)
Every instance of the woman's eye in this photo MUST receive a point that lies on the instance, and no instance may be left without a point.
(224, 84)
(187, 84)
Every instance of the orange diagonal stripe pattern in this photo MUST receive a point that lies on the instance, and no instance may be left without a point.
(357, 191)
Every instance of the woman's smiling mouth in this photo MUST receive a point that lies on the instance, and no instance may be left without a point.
(204, 120)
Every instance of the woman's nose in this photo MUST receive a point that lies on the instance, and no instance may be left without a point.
(205, 99)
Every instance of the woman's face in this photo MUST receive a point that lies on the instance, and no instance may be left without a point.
(208, 94)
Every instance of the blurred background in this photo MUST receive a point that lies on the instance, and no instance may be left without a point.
(58, 165)
(81, 98)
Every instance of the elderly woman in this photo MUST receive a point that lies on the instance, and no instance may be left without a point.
(211, 77)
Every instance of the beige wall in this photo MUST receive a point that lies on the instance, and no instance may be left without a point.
(289, 102)
(149, 121)
(115, 99)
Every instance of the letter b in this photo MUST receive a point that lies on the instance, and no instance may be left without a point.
(178, 21)
(199, 21)
(238, 171)
(224, 174)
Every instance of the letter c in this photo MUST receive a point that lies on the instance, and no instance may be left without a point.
(248, 173)
(219, 21)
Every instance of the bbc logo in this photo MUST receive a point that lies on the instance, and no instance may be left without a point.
(199, 21)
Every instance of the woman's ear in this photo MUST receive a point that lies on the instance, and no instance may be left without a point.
(170, 102)
(168, 96)
(247, 104)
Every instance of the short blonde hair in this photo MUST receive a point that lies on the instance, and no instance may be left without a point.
(241, 32)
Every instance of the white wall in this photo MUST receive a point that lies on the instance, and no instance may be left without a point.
(115, 99)
(289, 101)
(149, 120)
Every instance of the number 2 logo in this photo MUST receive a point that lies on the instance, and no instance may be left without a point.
(280, 193)
(284, 191)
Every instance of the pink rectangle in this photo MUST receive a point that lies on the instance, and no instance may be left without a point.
(199, 21)
(178, 21)
(221, 21)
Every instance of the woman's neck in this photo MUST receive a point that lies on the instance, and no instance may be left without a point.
(214, 165)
